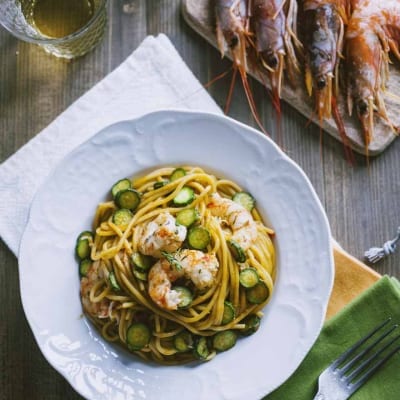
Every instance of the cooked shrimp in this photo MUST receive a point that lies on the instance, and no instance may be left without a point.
(201, 268)
(240, 221)
(161, 234)
(95, 276)
(373, 31)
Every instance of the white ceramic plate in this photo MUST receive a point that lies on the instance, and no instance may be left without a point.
(65, 204)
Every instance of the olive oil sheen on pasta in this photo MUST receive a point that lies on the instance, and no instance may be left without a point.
(60, 18)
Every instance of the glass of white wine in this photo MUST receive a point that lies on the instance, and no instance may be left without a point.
(64, 28)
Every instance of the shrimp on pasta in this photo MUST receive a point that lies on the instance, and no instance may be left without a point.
(178, 265)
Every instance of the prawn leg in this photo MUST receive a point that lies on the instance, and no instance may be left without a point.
(232, 32)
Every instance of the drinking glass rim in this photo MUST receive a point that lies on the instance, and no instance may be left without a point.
(63, 39)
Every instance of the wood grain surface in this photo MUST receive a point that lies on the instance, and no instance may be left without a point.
(200, 16)
(362, 202)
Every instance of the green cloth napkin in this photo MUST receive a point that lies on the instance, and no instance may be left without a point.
(376, 304)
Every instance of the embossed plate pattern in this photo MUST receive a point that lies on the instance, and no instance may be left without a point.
(65, 204)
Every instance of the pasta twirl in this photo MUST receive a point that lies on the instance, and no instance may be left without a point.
(178, 266)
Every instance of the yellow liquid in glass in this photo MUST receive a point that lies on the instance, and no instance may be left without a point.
(60, 18)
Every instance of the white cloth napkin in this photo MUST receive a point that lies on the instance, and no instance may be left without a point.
(153, 77)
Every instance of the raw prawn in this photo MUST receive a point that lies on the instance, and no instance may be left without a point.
(274, 24)
(94, 276)
(323, 41)
(161, 234)
(240, 221)
(201, 268)
(323, 36)
(232, 30)
(373, 31)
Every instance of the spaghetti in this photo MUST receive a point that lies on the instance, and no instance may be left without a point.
(178, 266)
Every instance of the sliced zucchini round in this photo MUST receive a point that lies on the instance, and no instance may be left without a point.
(252, 323)
(85, 235)
(187, 217)
(141, 261)
(201, 350)
(177, 174)
(258, 293)
(244, 199)
(113, 282)
(128, 198)
(82, 249)
(249, 277)
(138, 336)
(186, 296)
(122, 184)
(141, 275)
(224, 340)
(184, 197)
(159, 184)
(84, 266)
(198, 238)
(229, 313)
(183, 341)
(237, 251)
(122, 217)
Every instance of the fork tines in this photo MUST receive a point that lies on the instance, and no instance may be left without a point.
(360, 367)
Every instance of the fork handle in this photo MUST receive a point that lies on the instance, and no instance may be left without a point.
(319, 396)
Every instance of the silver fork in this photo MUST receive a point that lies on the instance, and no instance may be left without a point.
(352, 369)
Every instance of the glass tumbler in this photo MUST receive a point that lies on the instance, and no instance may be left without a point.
(17, 16)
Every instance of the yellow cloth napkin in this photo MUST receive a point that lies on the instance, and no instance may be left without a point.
(352, 277)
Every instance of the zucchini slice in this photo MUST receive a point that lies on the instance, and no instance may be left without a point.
(85, 235)
(252, 323)
(229, 313)
(237, 251)
(224, 340)
(183, 341)
(177, 174)
(137, 336)
(186, 296)
(201, 350)
(184, 197)
(159, 184)
(113, 282)
(122, 217)
(141, 275)
(128, 198)
(198, 238)
(122, 184)
(142, 262)
(258, 293)
(244, 199)
(84, 266)
(82, 249)
(187, 217)
(249, 277)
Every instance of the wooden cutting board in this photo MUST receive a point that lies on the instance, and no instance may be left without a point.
(200, 16)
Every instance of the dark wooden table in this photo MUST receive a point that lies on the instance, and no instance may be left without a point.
(362, 203)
